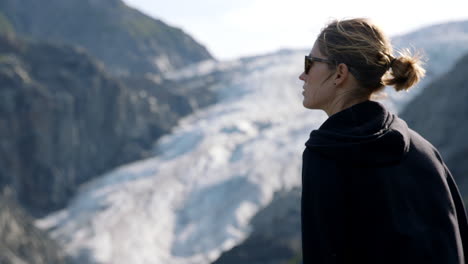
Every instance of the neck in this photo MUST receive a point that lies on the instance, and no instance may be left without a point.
(340, 104)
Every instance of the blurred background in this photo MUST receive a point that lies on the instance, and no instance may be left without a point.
(165, 132)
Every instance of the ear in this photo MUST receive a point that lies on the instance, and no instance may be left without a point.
(341, 74)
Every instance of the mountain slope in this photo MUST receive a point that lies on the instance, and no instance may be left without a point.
(126, 40)
(64, 120)
(20, 241)
(51, 96)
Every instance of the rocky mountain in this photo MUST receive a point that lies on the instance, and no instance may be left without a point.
(126, 40)
(56, 101)
(64, 120)
(20, 241)
(440, 114)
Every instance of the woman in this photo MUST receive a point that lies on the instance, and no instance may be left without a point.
(374, 191)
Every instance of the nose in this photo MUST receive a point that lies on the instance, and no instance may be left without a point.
(302, 76)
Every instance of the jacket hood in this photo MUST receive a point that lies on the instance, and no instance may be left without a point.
(363, 134)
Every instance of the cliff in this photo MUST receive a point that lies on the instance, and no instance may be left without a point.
(20, 241)
(65, 120)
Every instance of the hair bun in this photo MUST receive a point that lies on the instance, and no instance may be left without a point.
(406, 71)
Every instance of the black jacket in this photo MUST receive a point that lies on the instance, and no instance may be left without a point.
(374, 191)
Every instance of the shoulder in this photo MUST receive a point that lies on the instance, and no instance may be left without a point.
(422, 145)
(313, 156)
(314, 162)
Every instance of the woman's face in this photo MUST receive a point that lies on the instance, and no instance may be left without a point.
(318, 85)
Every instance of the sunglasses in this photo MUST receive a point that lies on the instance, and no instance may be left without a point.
(309, 61)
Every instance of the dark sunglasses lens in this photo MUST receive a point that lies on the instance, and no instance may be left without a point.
(307, 65)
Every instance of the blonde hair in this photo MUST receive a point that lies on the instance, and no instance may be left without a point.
(367, 52)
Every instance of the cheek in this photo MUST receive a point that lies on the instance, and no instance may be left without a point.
(316, 94)
(310, 95)
(311, 89)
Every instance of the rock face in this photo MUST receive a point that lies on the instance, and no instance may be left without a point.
(276, 235)
(55, 104)
(20, 241)
(440, 113)
(123, 38)
(64, 120)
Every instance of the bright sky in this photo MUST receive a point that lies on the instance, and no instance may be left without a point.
(235, 28)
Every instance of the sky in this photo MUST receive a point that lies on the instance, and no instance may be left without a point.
(237, 28)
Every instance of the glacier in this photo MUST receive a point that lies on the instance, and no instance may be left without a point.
(194, 198)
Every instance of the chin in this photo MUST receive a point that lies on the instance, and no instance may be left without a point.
(312, 106)
(308, 105)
